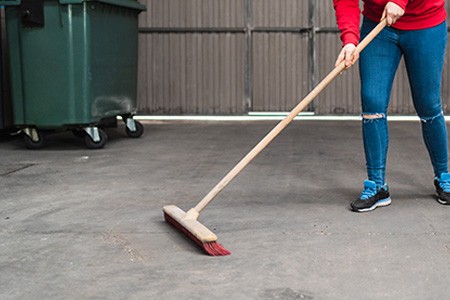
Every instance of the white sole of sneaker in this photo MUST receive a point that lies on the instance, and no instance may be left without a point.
(380, 203)
(441, 201)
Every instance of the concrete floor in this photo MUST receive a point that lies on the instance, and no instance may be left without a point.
(87, 224)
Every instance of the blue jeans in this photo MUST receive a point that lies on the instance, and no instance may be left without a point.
(423, 52)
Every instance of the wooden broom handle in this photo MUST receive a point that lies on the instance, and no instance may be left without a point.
(285, 122)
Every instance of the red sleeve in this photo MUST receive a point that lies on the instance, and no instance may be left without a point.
(348, 16)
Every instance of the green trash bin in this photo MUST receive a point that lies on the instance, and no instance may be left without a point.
(73, 66)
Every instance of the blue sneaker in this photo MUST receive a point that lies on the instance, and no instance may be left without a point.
(371, 197)
(442, 184)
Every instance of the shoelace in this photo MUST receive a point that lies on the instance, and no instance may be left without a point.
(369, 192)
(445, 185)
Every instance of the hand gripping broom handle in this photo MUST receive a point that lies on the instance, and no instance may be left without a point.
(283, 124)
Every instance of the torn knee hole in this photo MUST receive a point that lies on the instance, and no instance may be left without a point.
(373, 116)
(431, 119)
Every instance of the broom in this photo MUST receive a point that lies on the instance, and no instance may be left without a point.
(187, 222)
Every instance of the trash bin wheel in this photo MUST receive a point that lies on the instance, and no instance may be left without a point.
(90, 144)
(138, 132)
(30, 144)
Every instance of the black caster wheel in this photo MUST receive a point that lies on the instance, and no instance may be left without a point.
(90, 144)
(138, 132)
(33, 144)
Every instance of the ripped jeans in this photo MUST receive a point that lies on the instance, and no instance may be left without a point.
(423, 52)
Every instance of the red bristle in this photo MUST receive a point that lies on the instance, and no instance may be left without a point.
(211, 248)
(215, 249)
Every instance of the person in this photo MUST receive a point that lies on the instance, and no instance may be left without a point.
(417, 31)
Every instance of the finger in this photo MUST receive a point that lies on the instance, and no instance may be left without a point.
(389, 19)
(383, 15)
(355, 57)
(340, 58)
(348, 60)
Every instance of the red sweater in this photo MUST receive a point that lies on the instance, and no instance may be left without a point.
(419, 14)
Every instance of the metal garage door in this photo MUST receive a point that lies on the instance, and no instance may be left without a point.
(232, 57)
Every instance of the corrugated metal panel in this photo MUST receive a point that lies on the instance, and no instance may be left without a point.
(192, 74)
(324, 13)
(280, 70)
(446, 83)
(280, 13)
(194, 13)
(342, 95)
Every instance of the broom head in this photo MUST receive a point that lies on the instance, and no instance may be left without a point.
(195, 230)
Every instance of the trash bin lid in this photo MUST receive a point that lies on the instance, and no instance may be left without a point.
(125, 3)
